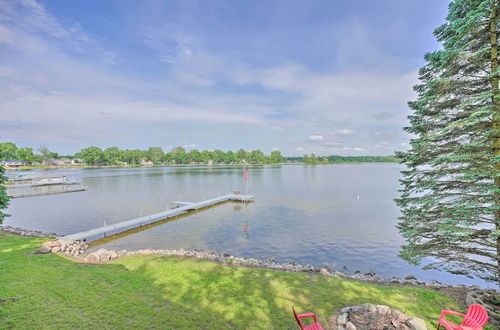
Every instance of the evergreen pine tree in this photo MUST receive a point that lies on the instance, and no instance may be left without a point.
(4, 199)
(450, 192)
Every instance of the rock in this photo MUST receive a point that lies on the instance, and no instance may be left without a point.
(51, 244)
(25, 232)
(395, 313)
(350, 326)
(92, 257)
(345, 309)
(226, 255)
(416, 324)
(122, 253)
(342, 319)
(42, 250)
(382, 309)
(55, 249)
(370, 274)
(355, 309)
(104, 257)
(112, 254)
(369, 307)
(402, 318)
(103, 254)
(410, 277)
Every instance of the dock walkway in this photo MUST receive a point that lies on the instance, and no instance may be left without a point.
(184, 207)
(18, 194)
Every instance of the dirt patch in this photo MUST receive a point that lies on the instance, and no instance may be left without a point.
(3, 301)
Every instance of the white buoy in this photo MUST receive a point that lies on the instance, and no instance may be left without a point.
(358, 197)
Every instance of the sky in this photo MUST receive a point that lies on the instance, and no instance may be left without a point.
(330, 77)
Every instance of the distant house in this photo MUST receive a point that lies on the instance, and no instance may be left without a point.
(62, 161)
(76, 161)
(14, 163)
(146, 162)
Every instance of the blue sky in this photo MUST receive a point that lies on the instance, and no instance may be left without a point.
(330, 77)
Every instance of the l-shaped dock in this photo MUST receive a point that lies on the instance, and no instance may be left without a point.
(181, 208)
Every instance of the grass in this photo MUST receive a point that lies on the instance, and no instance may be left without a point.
(51, 291)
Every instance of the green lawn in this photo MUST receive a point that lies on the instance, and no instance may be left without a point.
(50, 291)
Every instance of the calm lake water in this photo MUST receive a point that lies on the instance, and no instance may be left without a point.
(338, 215)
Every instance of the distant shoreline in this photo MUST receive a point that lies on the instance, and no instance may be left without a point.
(178, 165)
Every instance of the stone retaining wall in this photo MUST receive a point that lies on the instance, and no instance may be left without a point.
(26, 232)
(78, 248)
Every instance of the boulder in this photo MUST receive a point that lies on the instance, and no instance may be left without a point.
(383, 309)
(103, 254)
(350, 326)
(51, 244)
(55, 249)
(395, 313)
(416, 324)
(342, 319)
(346, 309)
(92, 257)
(42, 250)
(113, 254)
(402, 318)
(410, 277)
(369, 307)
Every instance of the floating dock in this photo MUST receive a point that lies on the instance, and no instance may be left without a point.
(41, 184)
(181, 208)
(11, 193)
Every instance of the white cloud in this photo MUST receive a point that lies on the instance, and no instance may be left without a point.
(58, 85)
(189, 146)
(344, 131)
(316, 137)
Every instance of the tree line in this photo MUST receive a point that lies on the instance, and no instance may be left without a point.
(96, 156)
(178, 155)
(314, 159)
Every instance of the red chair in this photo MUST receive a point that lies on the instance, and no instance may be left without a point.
(475, 319)
(314, 326)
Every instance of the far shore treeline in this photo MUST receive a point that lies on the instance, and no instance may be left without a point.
(113, 156)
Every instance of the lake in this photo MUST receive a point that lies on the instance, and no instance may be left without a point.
(335, 215)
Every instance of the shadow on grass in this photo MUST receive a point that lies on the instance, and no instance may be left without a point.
(258, 298)
(50, 291)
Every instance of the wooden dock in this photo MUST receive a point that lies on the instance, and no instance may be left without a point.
(182, 208)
